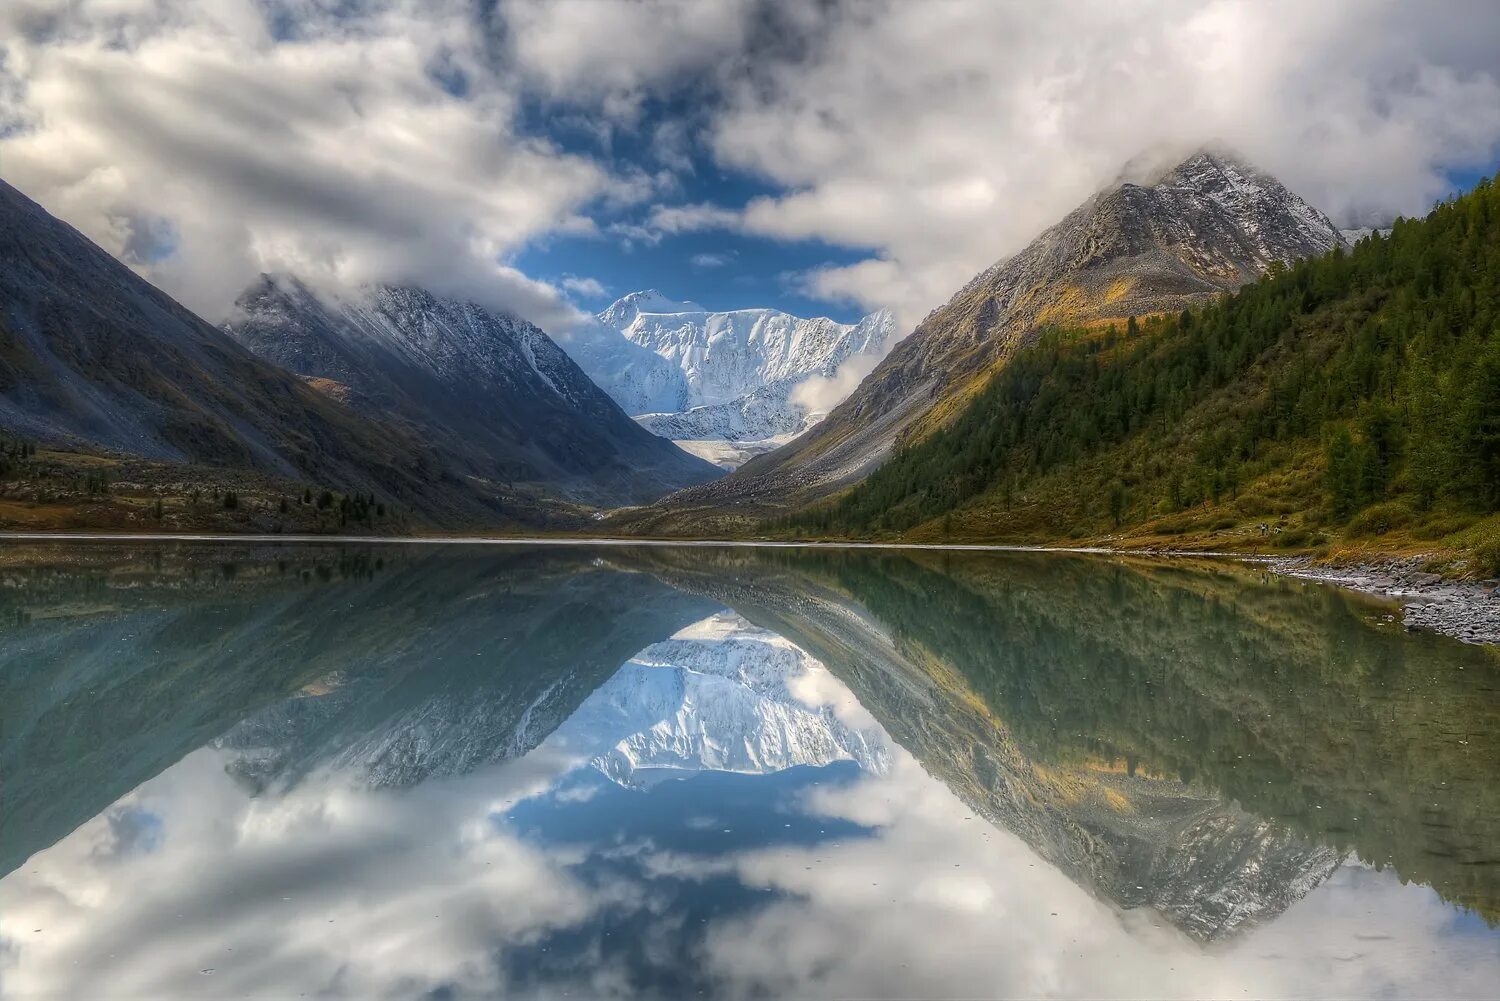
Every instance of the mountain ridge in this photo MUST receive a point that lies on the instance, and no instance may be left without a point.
(493, 393)
(1347, 400)
(93, 356)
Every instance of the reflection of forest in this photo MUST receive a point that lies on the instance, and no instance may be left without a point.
(1299, 703)
(117, 661)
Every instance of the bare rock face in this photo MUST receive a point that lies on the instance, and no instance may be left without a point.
(1208, 225)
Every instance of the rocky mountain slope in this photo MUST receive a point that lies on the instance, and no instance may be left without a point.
(1321, 405)
(1147, 244)
(718, 376)
(91, 355)
(492, 394)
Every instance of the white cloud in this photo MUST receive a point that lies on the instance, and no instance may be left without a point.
(820, 394)
(693, 218)
(340, 153)
(382, 138)
(671, 220)
(946, 134)
(710, 260)
(611, 56)
(590, 288)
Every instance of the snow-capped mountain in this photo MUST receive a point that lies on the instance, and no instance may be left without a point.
(720, 695)
(492, 393)
(697, 376)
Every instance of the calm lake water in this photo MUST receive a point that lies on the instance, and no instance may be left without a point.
(443, 771)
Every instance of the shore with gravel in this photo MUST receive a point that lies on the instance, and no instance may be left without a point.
(1466, 610)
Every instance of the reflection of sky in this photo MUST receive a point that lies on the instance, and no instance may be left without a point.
(540, 876)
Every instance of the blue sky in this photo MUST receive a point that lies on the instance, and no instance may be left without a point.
(720, 269)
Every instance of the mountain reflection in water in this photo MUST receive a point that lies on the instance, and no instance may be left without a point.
(392, 771)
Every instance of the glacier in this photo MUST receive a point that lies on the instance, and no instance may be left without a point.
(724, 385)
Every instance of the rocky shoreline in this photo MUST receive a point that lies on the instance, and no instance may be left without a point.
(1465, 610)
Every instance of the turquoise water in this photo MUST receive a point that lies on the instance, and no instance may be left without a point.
(448, 771)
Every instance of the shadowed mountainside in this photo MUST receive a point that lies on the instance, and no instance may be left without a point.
(491, 394)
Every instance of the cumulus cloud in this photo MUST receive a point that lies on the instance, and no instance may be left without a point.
(589, 287)
(613, 56)
(711, 260)
(206, 142)
(819, 394)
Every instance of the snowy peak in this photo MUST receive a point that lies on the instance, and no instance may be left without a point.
(1208, 224)
(1277, 223)
(727, 355)
(451, 340)
(705, 378)
(626, 308)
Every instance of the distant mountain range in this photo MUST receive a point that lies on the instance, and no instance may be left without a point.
(328, 410)
(724, 385)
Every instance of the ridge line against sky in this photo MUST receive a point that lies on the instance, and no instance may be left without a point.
(548, 156)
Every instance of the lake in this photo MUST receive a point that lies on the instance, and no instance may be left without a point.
(375, 770)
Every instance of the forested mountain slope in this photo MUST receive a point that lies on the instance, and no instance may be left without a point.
(1353, 394)
(1155, 241)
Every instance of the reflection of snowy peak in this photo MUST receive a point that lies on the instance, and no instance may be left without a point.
(731, 376)
(721, 695)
